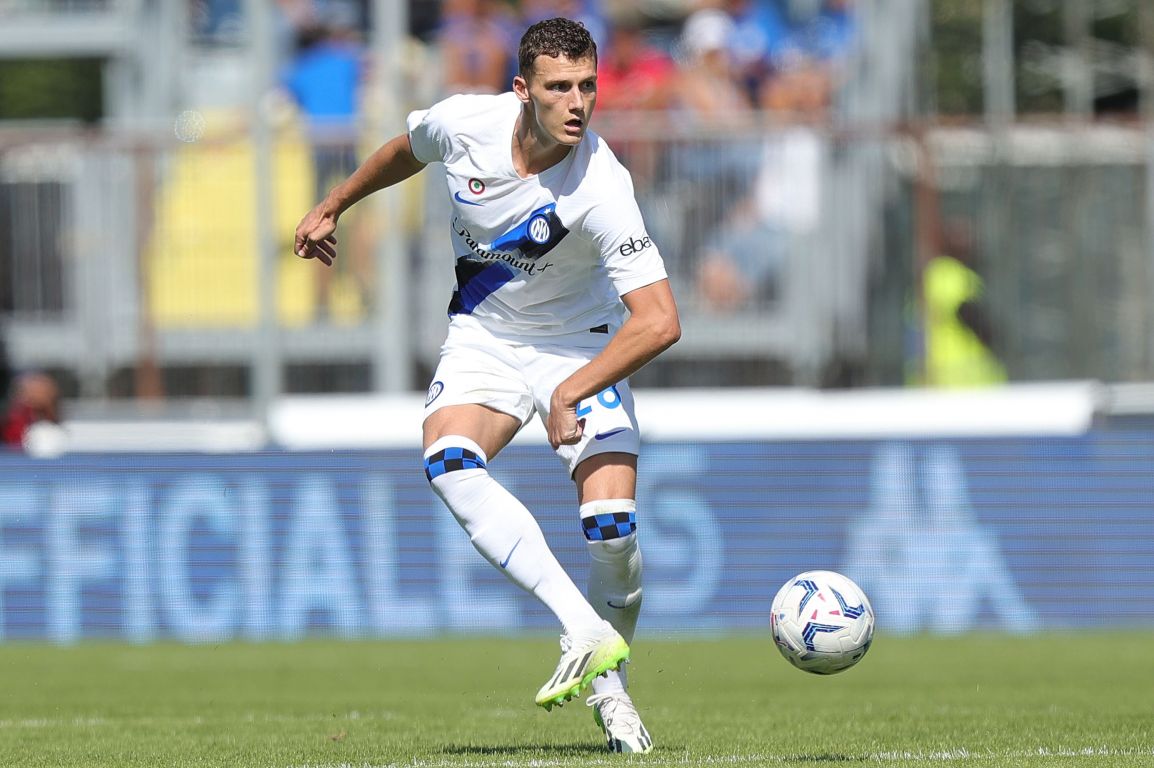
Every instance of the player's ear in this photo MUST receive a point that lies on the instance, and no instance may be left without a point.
(521, 88)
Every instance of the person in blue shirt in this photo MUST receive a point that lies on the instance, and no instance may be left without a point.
(324, 80)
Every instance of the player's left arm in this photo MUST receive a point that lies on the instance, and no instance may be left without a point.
(652, 327)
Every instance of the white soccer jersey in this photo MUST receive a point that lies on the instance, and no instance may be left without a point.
(537, 257)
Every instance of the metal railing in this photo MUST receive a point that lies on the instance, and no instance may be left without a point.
(130, 255)
(136, 264)
(119, 254)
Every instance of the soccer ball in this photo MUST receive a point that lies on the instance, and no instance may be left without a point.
(822, 622)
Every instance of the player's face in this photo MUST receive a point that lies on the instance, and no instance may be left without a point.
(561, 94)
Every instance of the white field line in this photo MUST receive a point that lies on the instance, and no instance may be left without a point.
(96, 721)
(940, 756)
(937, 756)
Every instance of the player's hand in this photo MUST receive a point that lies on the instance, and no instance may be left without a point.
(315, 236)
(563, 426)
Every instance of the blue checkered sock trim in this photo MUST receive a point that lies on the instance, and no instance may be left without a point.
(451, 459)
(610, 525)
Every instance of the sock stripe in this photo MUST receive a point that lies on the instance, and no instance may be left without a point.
(613, 525)
(450, 460)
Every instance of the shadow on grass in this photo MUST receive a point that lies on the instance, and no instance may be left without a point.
(825, 758)
(512, 750)
(573, 750)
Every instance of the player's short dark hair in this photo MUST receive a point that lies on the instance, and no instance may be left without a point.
(555, 38)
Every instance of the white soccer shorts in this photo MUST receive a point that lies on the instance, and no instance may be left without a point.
(518, 378)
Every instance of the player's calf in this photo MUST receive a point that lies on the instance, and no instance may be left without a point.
(614, 586)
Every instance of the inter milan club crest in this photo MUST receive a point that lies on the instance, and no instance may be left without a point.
(539, 229)
(535, 236)
(435, 390)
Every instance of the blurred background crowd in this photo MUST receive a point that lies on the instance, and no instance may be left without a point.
(709, 64)
(751, 44)
(846, 192)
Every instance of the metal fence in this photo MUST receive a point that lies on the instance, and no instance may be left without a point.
(1056, 222)
(128, 254)
(150, 259)
(130, 263)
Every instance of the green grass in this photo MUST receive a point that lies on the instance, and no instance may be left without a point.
(977, 700)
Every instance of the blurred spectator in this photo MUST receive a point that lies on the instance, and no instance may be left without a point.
(292, 17)
(588, 12)
(635, 80)
(958, 332)
(822, 42)
(743, 261)
(324, 80)
(298, 13)
(795, 72)
(760, 34)
(34, 398)
(801, 94)
(828, 34)
(475, 39)
(716, 164)
(708, 90)
(740, 261)
(632, 74)
(222, 22)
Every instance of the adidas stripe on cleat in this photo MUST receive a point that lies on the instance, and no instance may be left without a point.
(619, 721)
(582, 659)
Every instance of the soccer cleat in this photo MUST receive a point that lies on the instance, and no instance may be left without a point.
(583, 658)
(618, 718)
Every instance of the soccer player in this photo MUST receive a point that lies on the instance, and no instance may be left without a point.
(550, 250)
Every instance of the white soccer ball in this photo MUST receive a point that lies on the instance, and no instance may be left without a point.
(822, 622)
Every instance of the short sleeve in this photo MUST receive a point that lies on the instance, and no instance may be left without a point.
(428, 135)
(630, 256)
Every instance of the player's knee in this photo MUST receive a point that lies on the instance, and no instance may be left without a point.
(611, 531)
(612, 522)
(448, 456)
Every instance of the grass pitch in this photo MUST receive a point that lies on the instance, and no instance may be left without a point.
(1082, 699)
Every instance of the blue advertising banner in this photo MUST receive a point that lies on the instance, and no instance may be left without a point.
(1009, 534)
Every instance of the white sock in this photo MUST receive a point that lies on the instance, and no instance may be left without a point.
(614, 587)
(503, 530)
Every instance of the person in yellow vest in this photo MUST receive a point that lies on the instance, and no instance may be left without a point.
(957, 329)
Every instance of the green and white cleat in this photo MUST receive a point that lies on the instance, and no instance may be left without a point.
(583, 658)
(618, 718)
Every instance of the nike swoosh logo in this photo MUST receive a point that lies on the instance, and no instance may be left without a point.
(509, 556)
(618, 607)
(459, 199)
(610, 433)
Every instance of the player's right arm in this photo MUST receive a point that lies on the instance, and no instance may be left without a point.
(392, 163)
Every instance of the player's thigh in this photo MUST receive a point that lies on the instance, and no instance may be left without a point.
(478, 391)
(606, 476)
(610, 422)
(490, 429)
